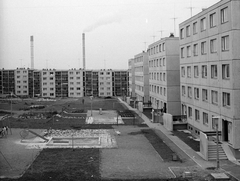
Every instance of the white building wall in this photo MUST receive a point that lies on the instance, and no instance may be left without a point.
(75, 83)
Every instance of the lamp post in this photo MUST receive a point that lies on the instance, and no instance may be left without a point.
(216, 120)
(91, 97)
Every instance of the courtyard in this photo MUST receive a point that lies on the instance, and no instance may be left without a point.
(76, 150)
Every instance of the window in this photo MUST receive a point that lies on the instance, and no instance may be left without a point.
(196, 72)
(163, 47)
(212, 20)
(190, 112)
(205, 118)
(18, 81)
(160, 47)
(183, 91)
(188, 31)
(78, 78)
(51, 94)
(70, 73)
(214, 97)
(195, 28)
(188, 71)
(164, 77)
(44, 73)
(204, 71)
(161, 76)
(78, 88)
(190, 92)
(101, 83)
(163, 61)
(196, 93)
(164, 91)
(18, 77)
(213, 45)
(213, 71)
(205, 95)
(182, 33)
(51, 78)
(203, 48)
(71, 88)
(224, 16)
(226, 99)
(188, 51)
(225, 43)
(195, 49)
(183, 71)
(44, 89)
(225, 71)
(51, 89)
(197, 115)
(182, 52)
(203, 24)
(44, 78)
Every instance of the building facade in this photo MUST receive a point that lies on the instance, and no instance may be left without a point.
(164, 75)
(131, 72)
(51, 83)
(209, 63)
(141, 74)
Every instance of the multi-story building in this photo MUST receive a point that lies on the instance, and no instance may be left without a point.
(210, 62)
(164, 75)
(131, 72)
(37, 89)
(8, 81)
(141, 73)
(75, 83)
(105, 82)
(21, 82)
(120, 82)
(61, 83)
(48, 83)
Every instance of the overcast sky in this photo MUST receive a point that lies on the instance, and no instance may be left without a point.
(115, 30)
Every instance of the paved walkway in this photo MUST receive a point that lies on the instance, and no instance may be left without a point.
(228, 166)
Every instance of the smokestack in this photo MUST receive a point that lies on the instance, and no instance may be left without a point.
(32, 52)
(83, 46)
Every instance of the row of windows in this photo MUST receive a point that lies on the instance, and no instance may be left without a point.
(77, 73)
(19, 87)
(77, 93)
(19, 92)
(158, 90)
(46, 94)
(197, 115)
(203, 47)
(157, 62)
(140, 88)
(102, 83)
(214, 71)
(205, 95)
(203, 23)
(76, 88)
(102, 88)
(156, 49)
(138, 59)
(18, 72)
(24, 76)
(102, 93)
(19, 82)
(157, 76)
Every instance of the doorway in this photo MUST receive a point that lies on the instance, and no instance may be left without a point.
(225, 131)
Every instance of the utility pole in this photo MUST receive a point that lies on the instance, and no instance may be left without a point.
(216, 120)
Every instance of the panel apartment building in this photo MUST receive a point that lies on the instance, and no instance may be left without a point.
(210, 64)
(52, 83)
(141, 77)
(164, 75)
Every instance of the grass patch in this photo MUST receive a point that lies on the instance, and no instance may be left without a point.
(187, 138)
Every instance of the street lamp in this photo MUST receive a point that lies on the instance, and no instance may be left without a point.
(216, 120)
(91, 97)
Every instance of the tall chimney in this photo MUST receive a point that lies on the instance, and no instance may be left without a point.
(32, 52)
(83, 46)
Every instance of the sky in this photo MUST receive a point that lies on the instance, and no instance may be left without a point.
(115, 30)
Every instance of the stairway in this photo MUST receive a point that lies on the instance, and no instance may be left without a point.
(212, 151)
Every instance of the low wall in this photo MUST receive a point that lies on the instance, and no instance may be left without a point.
(168, 121)
(204, 145)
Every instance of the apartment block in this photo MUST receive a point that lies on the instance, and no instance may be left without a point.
(131, 72)
(61, 83)
(141, 74)
(210, 64)
(21, 82)
(164, 75)
(105, 83)
(7, 81)
(48, 83)
(120, 83)
(75, 83)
